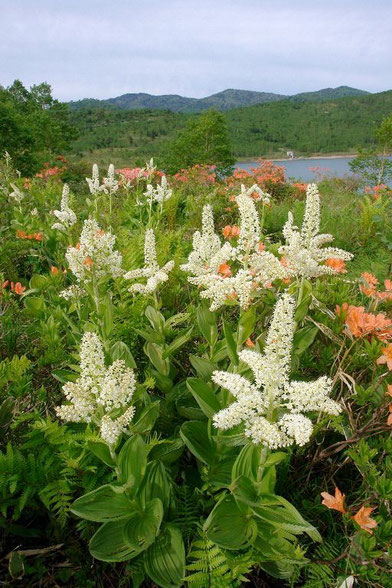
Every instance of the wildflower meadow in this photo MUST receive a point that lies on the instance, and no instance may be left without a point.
(196, 379)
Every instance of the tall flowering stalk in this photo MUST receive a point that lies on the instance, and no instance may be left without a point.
(65, 215)
(93, 182)
(160, 194)
(303, 251)
(110, 186)
(272, 408)
(227, 272)
(101, 395)
(154, 274)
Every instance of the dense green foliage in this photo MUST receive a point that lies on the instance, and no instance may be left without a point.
(176, 501)
(221, 101)
(205, 141)
(33, 126)
(264, 130)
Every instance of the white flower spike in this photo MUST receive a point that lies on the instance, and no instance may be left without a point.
(272, 408)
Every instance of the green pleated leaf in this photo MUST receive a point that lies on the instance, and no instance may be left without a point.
(108, 543)
(204, 396)
(132, 462)
(196, 438)
(107, 503)
(141, 529)
(165, 559)
(229, 527)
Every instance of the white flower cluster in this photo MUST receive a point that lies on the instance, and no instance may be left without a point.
(159, 194)
(100, 394)
(110, 184)
(303, 252)
(251, 269)
(16, 194)
(272, 408)
(93, 182)
(94, 255)
(66, 215)
(155, 275)
(73, 292)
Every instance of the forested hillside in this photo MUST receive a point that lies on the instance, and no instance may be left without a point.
(267, 130)
(221, 101)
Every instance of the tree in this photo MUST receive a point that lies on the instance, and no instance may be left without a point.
(33, 125)
(372, 167)
(205, 140)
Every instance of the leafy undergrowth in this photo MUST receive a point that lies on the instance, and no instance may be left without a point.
(183, 373)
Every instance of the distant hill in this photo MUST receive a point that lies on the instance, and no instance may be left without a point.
(225, 100)
(269, 130)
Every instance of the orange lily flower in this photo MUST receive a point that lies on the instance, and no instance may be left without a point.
(336, 264)
(54, 270)
(88, 262)
(17, 288)
(249, 342)
(224, 270)
(370, 286)
(386, 356)
(334, 502)
(261, 246)
(363, 519)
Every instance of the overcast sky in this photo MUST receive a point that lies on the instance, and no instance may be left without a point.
(103, 48)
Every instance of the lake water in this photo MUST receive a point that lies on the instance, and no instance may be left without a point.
(300, 168)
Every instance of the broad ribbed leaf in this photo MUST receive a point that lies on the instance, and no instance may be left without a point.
(204, 396)
(228, 527)
(165, 559)
(142, 528)
(108, 543)
(196, 438)
(132, 462)
(107, 503)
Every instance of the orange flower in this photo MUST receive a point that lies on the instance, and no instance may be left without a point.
(387, 295)
(38, 236)
(249, 342)
(283, 262)
(230, 232)
(360, 323)
(224, 270)
(54, 270)
(336, 264)
(77, 246)
(261, 246)
(5, 284)
(369, 288)
(88, 262)
(100, 232)
(17, 288)
(363, 519)
(386, 357)
(334, 502)
(20, 234)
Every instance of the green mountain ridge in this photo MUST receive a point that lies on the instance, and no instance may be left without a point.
(262, 130)
(225, 100)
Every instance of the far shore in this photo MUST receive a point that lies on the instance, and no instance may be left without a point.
(256, 159)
